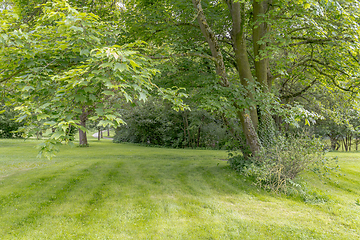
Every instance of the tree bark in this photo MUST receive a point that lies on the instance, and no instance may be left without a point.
(82, 134)
(248, 117)
(266, 129)
(199, 132)
(237, 11)
(213, 43)
(260, 29)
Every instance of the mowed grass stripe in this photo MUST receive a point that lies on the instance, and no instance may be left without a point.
(43, 195)
(124, 191)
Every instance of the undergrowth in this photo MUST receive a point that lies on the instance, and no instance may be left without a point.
(276, 167)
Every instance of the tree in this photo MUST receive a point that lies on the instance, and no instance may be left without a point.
(65, 67)
(255, 46)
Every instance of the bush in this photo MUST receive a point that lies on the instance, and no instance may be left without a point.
(275, 168)
(8, 126)
(156, 123)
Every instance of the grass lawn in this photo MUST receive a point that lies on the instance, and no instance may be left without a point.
(125, 191)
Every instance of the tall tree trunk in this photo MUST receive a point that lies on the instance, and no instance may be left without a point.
(266, 129)
(260, 29)
(248, 116)
(237, 11)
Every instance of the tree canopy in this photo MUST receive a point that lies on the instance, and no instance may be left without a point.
(65, 62)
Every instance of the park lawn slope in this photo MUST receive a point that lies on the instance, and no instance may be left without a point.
(125, 191)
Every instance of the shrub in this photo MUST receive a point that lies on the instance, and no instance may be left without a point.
(156, 123)
(276, 167)
(8, 125)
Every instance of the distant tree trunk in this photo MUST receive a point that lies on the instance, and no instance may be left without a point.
(350, 138)
(343, 145)
(38, 135)
(347, 142)
(333, 142)
(185, 140)
(199, 132)
(82, 134)
(108, 131)
(99, 134)
(356, 143)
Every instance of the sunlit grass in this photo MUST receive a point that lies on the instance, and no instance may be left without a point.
(124, 191)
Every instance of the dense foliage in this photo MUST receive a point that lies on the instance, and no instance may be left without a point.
(8, 125)
(156, 123)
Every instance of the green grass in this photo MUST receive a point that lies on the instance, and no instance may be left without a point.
(124, 191)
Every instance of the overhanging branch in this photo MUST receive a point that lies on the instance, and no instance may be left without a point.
(332, 78)
(184, 55)
(11, 76)
(300, 92)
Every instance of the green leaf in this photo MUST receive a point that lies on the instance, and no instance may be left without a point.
(85, 52)
(104, 123)
(92, 97)
(57, 135)
(134, 64)
(50, 123)
(105, 65)
(82, 128)
(5, 37)
(42, 116)
(77, 29)
(99, 111)
(120, 66)
(27, 88)
(142, 96)
(93, 118)
(89, 89)
(110, 116)
(80, 98)
(109, 93)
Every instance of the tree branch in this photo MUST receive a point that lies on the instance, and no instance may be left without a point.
(308, 41)
(11, 76)
(184, 55)
(328, 66)
(332, 78)
(300, 92)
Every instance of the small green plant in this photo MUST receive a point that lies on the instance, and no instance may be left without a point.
(314, 197)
